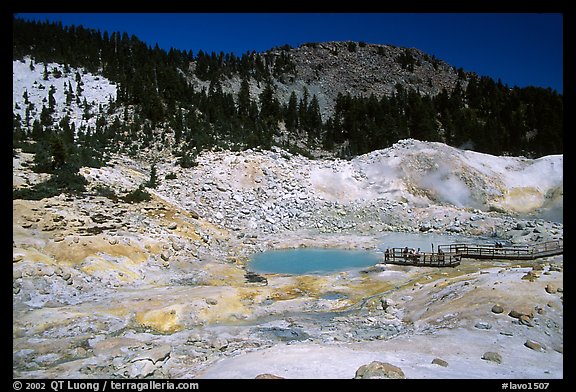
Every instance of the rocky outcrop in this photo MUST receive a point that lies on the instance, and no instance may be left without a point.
(326, 69)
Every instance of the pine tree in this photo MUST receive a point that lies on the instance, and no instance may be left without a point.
(58, 151)
(291, 116)
(269, 105)
(313, 119)
(303, 109)
(244, 100)
(45, 117)
(51, 99)
(153, 181)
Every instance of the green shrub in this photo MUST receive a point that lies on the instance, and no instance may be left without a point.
(106, 191)
(65, 180)
(137, 195)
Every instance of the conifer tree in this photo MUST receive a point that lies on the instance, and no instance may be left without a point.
(244, 100)
(153, 181)
(303, 109)
(291, 116)
(51, 99)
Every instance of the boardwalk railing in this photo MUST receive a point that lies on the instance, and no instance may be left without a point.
(510, 252)
(450, 255)
(405, 256)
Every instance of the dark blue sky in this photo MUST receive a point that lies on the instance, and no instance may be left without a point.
(519, 48)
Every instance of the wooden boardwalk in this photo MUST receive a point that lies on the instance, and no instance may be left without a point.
(451, 255)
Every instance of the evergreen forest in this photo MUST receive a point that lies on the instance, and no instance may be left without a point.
(156, 101)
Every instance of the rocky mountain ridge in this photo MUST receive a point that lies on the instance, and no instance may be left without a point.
(330, 98)
(326, 69)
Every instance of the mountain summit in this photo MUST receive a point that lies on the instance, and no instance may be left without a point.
(327, 69)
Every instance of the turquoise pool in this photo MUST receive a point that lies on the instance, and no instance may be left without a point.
(302, 261)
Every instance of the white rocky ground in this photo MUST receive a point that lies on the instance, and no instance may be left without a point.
(104, 288)
(95, 90)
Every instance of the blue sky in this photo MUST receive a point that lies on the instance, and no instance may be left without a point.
(519, 48)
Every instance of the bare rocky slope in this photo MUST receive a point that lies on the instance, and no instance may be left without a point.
(327, 69)
(109, 289)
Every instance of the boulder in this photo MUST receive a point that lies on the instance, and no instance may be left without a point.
(531, 344)
(492, 356)
(518, 311)
(551, 288)
(482, 325)
(379, 370)
(531, 276)
(268, 376)
(497, 309)
(440, 362)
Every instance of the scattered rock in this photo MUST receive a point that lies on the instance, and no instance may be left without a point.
(555, 268)
(534, 345)
(482, 325)
(492, 356)
(531, 276)
(155, 354)
(518, 311)
(440, 362)
(551, 288)
(268, 376)
(218, 344)
(172, 226)
(141, 369)
(252, 277)
(379, 370)
(525, 320)
(286, 334)
(497, 309)
(177, 246)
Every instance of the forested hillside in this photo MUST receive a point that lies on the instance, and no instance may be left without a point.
(194, 101)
